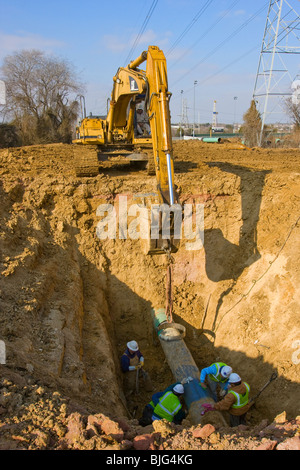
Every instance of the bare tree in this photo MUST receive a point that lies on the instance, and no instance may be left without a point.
(293, 110)
(40, 96)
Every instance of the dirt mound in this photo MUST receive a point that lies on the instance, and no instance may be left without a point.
(69, 301)
(36, 418)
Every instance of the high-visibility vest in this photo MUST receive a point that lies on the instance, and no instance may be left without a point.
(218, 377)
(241, 399)
(167, 407)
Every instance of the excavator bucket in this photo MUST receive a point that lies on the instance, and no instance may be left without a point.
(161, 246)
(161, 238)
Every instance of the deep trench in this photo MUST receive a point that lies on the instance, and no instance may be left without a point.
(129, 316)
(73, 302)
(135, 284)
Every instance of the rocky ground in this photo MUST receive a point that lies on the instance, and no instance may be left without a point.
(35, 417)
(69, 302)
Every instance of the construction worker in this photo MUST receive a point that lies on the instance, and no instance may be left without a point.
(146, 418)
(236, 402)
(216, 375)
(132, 363)
(142, 121)
(169, 405)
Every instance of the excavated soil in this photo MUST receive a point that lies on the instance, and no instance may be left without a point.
(69, 301)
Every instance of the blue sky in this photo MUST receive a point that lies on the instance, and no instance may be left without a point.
(214, 42)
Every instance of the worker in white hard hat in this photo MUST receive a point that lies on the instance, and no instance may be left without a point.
(169, 404)
(132, 363)
(216, 377)
(236, 402)
(146, 417)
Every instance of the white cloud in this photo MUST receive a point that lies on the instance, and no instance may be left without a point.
(114, 43)
(24, 40)
(239, 12)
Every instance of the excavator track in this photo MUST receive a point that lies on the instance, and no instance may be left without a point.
(90, 159)
(147, 150)
(86, 161)
(150, 166)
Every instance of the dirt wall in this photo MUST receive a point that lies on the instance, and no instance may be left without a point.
(70, 301)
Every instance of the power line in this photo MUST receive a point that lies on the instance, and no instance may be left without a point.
(190, 25)
(218, 72)
(224, 42)
(206, 32)
(245, 54)
(143, 27)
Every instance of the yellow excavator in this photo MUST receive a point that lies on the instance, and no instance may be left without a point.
(116, 134)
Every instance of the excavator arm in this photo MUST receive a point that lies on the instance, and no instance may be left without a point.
(158, 110)
(157, 107)
(160, 123)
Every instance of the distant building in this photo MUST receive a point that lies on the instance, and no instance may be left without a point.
(217, 129)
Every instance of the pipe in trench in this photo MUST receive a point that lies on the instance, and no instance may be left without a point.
(183, 366)
(211, 139)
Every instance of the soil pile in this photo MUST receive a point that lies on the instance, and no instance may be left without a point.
(70, 301)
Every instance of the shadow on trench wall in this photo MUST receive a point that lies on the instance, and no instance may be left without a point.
(225, 260)
(221, 253)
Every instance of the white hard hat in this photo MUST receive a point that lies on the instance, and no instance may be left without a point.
(133, 346)
(234, 378)
(226, 371)
(178, 389)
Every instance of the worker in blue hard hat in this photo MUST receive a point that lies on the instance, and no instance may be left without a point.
(216, 377)
(132, 364)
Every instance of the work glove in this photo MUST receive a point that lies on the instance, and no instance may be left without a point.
(186, 380)
(134, 367)
(207, 407)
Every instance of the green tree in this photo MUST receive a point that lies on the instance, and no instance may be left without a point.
(252, 126)
(40, 96)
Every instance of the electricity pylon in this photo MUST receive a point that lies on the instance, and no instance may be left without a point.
(281, 41)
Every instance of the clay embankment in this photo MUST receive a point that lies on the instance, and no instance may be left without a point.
(69, 301)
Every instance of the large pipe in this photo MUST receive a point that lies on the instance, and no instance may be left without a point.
(211, 139)
(183, 366)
